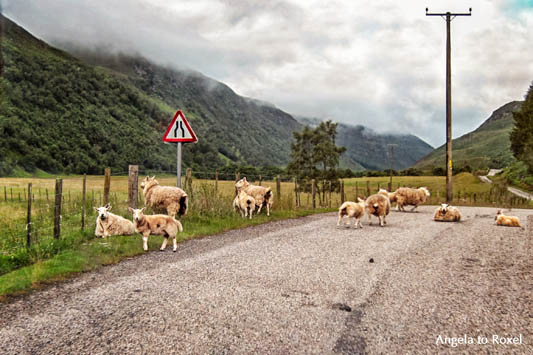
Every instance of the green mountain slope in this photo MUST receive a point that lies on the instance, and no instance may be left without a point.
(487, 146)
(60, 114)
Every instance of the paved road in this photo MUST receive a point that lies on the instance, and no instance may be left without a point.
(276, 289)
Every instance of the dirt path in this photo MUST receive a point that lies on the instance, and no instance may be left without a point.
(276, 289)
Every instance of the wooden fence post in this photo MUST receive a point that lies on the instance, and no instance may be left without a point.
(379, 186)
(5, 193)
(329, 194)
(107, 185)
(11, 191)
(342, 192)
(296, 192)
(367, 188)
(260, 180)
(356, 191)
(216, 181)
(20, 199)
(24, 193)
(83, 197)
(57, 208)
(189, 183)
(47, 197)
(278, 188)
(28, 224)
(237, 178)
(313, 192)
(133, 185)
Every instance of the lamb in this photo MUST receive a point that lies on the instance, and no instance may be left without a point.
(172, 199)
(263, 195)
(352, 209)
(157, 224)
(407, 196)
(447, 213)
(108, 223)
(244, 203)
(507, 221)
(379, 206)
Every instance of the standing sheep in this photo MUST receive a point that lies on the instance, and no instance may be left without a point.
(352, 209)
(172, 199)
(379, 206)
(407, 196)
(507, 221)
(157, 224)
(244, 203)
(108, 223)
(263, 195)
(447, 213)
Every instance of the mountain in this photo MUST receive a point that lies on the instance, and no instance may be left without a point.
(61, 114)
(486, 146)
(368, 150)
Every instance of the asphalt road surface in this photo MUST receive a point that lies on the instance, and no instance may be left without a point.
(299, 287)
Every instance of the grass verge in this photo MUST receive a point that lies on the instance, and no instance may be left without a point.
(93, 253)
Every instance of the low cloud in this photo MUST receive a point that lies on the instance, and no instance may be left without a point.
(380, 64)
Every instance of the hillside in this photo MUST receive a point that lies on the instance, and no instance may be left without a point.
(487, 146)
(368, 150)
(60, 114)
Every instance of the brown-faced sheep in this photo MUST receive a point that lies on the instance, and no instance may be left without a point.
(352, 209)
(407, 196)
(108, 223)
(379, 206)
(244, 203)
(157, 224)
(507, 221)
(447, 213)
(263, 195)
(172, 199)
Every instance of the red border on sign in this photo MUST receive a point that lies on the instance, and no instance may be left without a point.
(177, 140)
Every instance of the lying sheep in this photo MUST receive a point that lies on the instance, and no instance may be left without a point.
(157, 224)
(172, 199)
(407, 196)
(379, 206)
(263, 195)
(108, 223)
(244, 203)
(352, 209)
(447, 213)
(507, 221)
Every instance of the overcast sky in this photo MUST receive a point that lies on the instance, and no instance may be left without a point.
(378, 63)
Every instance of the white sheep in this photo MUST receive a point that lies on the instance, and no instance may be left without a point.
(407, 196)
(244, 203)
(379, 206)
(507, 221)
(263, 195)
(352, 209)
(108, 223)
(157, 224)
(447, 213)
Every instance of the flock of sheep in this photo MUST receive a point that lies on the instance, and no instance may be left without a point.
(248, 197)
(379, 205)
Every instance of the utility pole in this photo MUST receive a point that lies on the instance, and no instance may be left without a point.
(448, 16)
(391, 160)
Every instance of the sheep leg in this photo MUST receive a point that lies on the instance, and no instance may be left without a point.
(414, 208)
(268, 209)
(381, 218)
(145, 240)
(164, 245)
(251, 211)
(174, 244)
(339, 220)
(370, 219)
(359, 223)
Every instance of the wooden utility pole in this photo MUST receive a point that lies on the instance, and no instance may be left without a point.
(448, 16)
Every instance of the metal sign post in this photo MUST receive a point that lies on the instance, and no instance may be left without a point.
(179, 131)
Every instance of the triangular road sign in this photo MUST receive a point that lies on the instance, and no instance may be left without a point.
(179, 130)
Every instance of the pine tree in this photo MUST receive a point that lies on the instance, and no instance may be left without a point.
(522, 134)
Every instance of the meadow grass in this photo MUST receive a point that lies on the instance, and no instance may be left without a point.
(210, 212)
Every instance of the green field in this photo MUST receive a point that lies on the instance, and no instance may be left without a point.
(210, 212)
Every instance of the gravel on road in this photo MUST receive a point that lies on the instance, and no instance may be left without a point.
(297, 286)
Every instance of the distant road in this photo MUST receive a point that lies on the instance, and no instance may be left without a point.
(512, 190)
(285, 288)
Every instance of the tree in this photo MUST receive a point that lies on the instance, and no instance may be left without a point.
(314, 155)
(522, 134)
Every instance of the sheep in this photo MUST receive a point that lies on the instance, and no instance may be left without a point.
(263, 195)
(244, 203)
(507, 221)
(352, 209)
(447, 213)
(172, 199)
(108, 223)
(157, 224)
(379, 206)
(407, 196)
